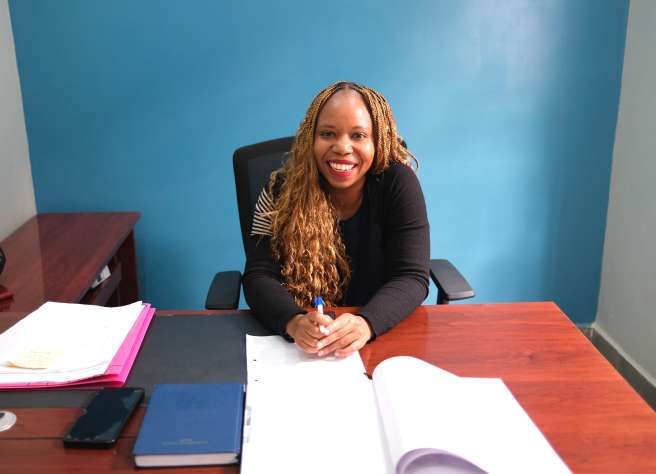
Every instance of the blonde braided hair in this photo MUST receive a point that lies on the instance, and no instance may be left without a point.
(305, 229)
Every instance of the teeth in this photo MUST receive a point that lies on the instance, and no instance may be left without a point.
(341, 166)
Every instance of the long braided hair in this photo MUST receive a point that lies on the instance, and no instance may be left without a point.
(305, 229)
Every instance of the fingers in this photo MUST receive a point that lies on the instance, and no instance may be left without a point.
(351, 348)
(305, 346)
(306, 332)
(307, 336)
(348, 333)
(341, 344)
(320, 319)
(321, 322)
(345, 335)
(343, 325)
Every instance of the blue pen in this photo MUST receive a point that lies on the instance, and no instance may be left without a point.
(318, 303)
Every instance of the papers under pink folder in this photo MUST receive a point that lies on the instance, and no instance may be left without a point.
(119, 368)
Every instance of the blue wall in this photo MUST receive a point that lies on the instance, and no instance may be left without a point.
(510, 106)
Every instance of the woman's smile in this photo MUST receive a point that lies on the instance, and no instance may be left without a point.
(341, 168)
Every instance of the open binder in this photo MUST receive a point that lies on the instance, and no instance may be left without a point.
(305, 414)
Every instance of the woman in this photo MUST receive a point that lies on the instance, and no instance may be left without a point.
(344, 219)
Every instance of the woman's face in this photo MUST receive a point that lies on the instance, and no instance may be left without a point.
(343, 141)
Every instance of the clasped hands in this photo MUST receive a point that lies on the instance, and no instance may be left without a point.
(343, 336)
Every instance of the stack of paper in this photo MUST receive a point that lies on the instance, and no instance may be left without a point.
(305, 414)
(62, 345)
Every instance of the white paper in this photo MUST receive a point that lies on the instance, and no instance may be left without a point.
(307, 414)
(272, 356)
(88, 337)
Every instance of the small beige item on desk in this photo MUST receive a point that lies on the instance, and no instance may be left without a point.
(37, 358)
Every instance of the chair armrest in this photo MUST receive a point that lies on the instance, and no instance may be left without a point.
(224, 291)
(451, 285)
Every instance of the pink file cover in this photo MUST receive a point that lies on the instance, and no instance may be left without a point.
(118, 369)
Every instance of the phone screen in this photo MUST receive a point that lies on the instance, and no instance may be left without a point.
(104, 417)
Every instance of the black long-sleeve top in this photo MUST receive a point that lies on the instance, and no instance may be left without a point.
(387, 244)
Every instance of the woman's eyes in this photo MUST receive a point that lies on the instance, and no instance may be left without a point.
(355, 136)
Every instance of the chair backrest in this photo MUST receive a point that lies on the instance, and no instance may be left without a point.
(253, 165)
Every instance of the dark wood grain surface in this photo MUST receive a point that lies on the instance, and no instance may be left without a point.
(56, 257)
(590, 415)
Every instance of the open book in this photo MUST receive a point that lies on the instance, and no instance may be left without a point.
(305, 414)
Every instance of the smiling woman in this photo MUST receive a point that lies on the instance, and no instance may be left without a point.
(345, 219)
(344, 149)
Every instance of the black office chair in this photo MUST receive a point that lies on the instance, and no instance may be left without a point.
(253, 165)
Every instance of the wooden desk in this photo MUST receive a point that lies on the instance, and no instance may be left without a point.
(590, 415)
(56, 257)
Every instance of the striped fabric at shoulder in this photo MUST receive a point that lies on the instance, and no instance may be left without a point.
(262, 214)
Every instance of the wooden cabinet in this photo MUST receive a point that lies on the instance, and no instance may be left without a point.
(57, 257)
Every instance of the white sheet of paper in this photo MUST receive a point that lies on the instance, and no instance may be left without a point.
(269, 356)
(307, 414)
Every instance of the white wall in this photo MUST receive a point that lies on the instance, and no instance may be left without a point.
(16, 190)
(627, 300)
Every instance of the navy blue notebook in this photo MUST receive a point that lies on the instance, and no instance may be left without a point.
(191, 425)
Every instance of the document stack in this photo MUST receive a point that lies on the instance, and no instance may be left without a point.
(67, 345)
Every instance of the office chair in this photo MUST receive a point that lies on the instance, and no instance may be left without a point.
(253, 165)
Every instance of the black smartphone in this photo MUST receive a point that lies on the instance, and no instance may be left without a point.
(103, 418)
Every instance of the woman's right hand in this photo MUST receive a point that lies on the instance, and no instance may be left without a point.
(304, 329)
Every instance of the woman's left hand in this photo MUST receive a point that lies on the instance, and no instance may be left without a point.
(347, 334)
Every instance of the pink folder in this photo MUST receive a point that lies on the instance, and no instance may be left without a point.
(118, 369)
